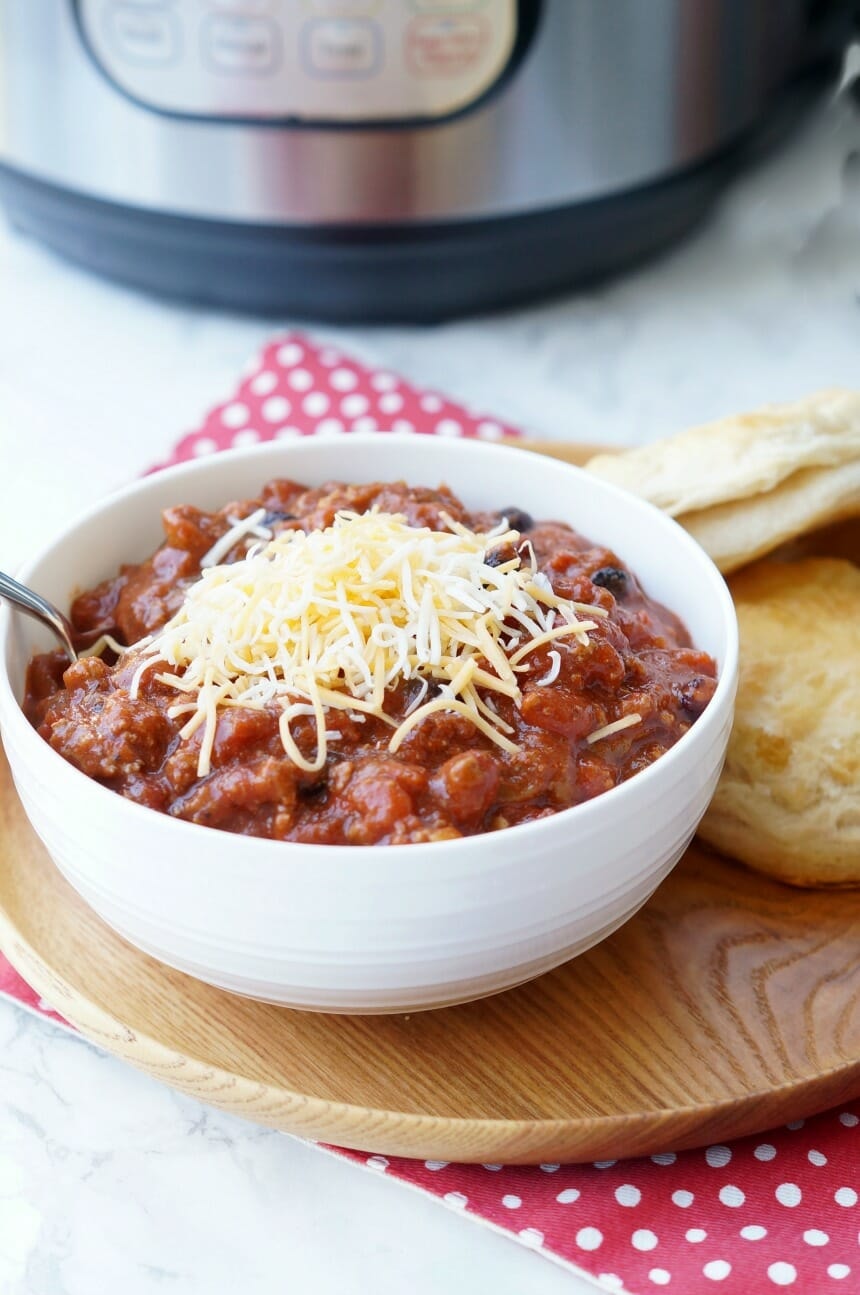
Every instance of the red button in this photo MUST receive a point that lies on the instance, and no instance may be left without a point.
(445, 46)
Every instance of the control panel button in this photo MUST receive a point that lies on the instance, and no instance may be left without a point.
(345, 48)
(447, 6)
(242, 6)
(149, 36)
(343, 8)
(445, 46)
(316, 61)
(232, 43)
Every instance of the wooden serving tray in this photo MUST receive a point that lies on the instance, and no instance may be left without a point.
(730, 1003)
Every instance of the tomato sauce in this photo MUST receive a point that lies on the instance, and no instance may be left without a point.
(447, 779)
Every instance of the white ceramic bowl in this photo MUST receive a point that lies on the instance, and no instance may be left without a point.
(379, 928)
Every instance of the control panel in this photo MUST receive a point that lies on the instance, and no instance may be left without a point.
(321, 61)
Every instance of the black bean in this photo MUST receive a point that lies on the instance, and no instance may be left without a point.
(274, 515)
(695, 694)
(517, 519)
(499, 555)
(613, 579)
(313, 790)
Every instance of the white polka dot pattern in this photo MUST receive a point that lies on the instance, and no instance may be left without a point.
(784, 1213)
(627, 1194)
(355, 405)
(264, 382)
(343, 380)
(275, 409)
(289, 354)
(235, 414)
(782, 1274)
(298, 389)
(315, 404)
(247, 436)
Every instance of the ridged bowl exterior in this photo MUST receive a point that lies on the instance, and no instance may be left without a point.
(379, 928)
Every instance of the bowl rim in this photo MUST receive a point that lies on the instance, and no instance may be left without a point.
(587, 813)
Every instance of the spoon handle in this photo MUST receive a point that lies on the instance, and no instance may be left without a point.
(34, 605)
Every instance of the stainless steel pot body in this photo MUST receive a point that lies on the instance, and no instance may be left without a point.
(357, 119)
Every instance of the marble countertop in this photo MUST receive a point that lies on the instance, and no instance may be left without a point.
(108, 1181)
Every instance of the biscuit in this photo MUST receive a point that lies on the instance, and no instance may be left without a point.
(788, 801)
(733, 534)
(741, 456)
(841, 540)
(744, 486)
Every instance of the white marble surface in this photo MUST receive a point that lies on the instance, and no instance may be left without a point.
(109, 1182)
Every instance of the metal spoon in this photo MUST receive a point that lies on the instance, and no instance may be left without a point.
(35, 605)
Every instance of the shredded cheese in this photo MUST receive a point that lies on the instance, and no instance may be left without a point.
(553, 671)
(626, 721)
(240, 529)
(333, 619)
(102, 642)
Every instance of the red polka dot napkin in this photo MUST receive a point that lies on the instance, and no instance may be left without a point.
(297, 389)
(778, 1210)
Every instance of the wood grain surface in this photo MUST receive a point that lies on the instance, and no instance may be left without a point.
(730, 1003)
(576, 452)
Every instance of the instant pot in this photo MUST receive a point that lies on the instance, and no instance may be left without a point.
(387, 159)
